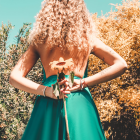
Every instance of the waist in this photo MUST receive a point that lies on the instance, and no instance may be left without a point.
(53, 79)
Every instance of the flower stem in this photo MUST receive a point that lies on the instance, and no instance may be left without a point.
(66, 119)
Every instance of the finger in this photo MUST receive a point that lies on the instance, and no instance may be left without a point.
(75, 88)
(66, 83)
(61, 96)
(66, 92)
(62, 82)
(65, 89)
(65, 96)
(62, 89)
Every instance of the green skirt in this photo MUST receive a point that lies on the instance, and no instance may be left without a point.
(47, 121)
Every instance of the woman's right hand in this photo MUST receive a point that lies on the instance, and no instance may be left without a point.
(65, 90)
(76, 85)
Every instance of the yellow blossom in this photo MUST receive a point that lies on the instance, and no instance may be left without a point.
(61, 64)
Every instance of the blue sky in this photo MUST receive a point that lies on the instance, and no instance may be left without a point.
(22, 11)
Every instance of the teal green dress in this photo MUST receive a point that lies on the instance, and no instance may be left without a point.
(47, 121)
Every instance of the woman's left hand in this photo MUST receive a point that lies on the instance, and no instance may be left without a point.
(65, 89)
(75, 87)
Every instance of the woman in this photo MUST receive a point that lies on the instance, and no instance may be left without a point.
(64, 28)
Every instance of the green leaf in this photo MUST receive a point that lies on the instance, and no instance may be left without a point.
(71, 78)
(56, 89)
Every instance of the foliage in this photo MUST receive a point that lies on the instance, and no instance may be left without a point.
(118, 100)
(15, 105)
(121, 96)
(4, 31)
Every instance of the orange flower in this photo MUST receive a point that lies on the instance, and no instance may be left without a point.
(61, 64)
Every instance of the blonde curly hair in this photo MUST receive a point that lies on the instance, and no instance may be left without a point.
(65, 24)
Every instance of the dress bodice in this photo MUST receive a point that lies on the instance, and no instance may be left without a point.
(44, 75)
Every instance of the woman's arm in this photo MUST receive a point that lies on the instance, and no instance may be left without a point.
(108, 55)
(117, 64)
(22, 68)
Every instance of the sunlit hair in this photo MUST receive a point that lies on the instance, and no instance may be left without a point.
(65, 24)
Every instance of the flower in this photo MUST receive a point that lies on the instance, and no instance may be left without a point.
(61, 64)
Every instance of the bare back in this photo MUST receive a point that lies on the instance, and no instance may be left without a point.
(47, 56)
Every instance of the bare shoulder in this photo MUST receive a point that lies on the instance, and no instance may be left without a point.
(99, 45)
(26, 62)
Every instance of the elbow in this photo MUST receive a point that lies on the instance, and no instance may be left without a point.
(123, 65)
(14, 79)
(11, 80)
